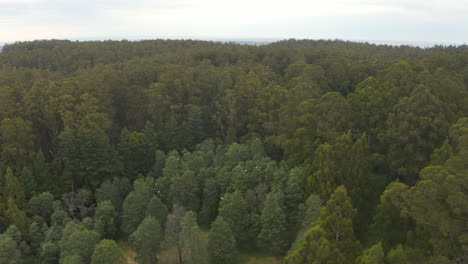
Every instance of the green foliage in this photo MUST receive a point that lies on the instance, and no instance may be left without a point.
(193, 245)
(221, 243)
(108, 252)
(184, 190)
(136, 151)
(103, 136)
(272, 237)
(157, 209)
(135, 204)
(81, 243)
(294, 194)
(50, 252)
(414, 130)
(309, 213)
(36, 234)
(73, 259)
(28, 182)
(105, 220)
(18, 217)
(331, 239)
(373, 255)
(41, 205)
(13, 189)
(146, 240)
(9, 254)
(233, 209)
(17, 141)
(87, 155)
(114, 191)
(210, 202)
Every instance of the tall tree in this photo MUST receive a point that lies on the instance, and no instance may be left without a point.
(13, 189)
(17, 142)
(81, 243)
(193, 245)
(414, 130)
(331, 239)
(233, 209)
(28, 182)
(373, 255)
(157, 209)
(135, 204)
(221, 243)
(108, 252)
(105, 220)
(146, 240)
(88, 156)
(272, 237)
(9, 254)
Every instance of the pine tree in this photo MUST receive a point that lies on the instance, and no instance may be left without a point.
(294, 195)
(193, 245)
(272, 237)
(146, 240)
(41, 205)
(373, 255)
(80, 242)
(108, 252)
(13, 189)
(135, 205)
(72, 259)
(105, 220)
(210, 202)
(234, 210)
(221, 243)
(331, 239)
(18, 217)
(184, 190)
(17, 142)
(309, 214)
(36, 237)
(157, 209)
(8, 251)
(40, 170)
(28, 182)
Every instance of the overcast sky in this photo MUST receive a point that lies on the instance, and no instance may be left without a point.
(439, 21)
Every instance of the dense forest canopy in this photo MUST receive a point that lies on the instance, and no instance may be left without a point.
(184, 151)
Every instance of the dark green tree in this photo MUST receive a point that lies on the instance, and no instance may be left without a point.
(146, 240)
(373, 255)
(107, 252)
(17, 142)
(193, 245)
(105, 220)
(28, 183)
(233, 209)
(221, 243)
(331, 239)
(157, 209)
(9, 254)
(273, 237)
(80, 243)
(135, 204)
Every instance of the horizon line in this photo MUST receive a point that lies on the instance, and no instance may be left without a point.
(259, 40)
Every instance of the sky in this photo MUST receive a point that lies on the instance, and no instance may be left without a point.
(434, 21)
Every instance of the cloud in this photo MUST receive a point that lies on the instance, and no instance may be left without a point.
(378, 19)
